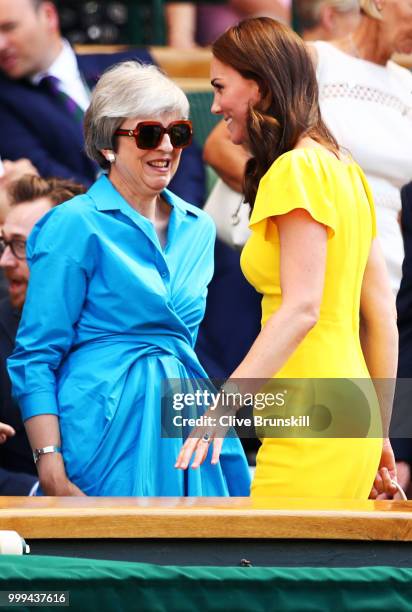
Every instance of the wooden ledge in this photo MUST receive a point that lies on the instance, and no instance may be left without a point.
(193, 63)
(227, 518)
(178, 63)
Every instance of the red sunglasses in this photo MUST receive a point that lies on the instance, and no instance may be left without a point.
(149, 134)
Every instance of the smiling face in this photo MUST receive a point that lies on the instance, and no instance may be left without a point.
(19, 222)
(144, 173)
(233, 96)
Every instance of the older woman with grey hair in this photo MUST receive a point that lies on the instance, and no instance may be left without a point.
(366, 100)
(117, 290)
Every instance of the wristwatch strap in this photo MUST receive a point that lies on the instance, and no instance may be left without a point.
(38, 452)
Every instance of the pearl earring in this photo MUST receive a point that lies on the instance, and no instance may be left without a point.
(111, 157)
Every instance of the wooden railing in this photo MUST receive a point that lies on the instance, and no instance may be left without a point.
(190, 69)
(194, 63)
(228, 518)
(176, 63)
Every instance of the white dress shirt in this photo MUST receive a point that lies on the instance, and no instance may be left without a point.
(65, 69)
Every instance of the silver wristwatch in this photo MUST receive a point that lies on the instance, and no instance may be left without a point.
(38, 452)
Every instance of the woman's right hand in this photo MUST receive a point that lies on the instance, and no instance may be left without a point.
(53, 478)
(383, 487)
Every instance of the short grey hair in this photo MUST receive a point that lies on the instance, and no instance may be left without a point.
(308, 11)
(369, 8)
(129, 89)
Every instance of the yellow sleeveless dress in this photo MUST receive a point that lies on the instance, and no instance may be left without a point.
(336, 194)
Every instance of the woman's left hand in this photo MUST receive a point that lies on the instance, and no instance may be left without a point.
(199, 440)
(211, 431)
(197, 444)
(382, 486)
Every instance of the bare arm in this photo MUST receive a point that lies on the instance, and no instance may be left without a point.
(45, 338)
(378, 330)
(303, 248)
(43, 430)
(227, 159)
(181, 24)
(379, 339)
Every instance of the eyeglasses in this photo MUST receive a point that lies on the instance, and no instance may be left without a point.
(17, 247)
(149, 134)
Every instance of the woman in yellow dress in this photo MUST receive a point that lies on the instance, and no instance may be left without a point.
(327, 307)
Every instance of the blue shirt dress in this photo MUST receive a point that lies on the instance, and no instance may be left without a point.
(109, 315)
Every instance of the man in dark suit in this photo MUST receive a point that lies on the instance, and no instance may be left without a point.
(17, 470)
(35, 119)
(33, 197)
(402, 447)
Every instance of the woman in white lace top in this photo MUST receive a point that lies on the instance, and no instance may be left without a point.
(366, 100)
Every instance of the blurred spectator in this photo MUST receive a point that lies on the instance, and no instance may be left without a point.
(278, 9)
(204, 22)
(366, 101)
(11, 171)
(44, 90)
(14, 483)
(326, 19)
(189, 23)
(181, 24)
(31, 198)
(403, 446)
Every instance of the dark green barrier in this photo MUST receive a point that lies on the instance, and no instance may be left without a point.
(110, 585)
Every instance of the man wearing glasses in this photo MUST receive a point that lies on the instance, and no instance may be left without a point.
(32, 197)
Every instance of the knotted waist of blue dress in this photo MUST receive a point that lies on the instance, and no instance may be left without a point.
(96, 364)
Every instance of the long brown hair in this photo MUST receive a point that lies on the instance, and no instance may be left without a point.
(272, 55)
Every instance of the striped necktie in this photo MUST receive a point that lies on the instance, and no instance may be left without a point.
(51, 83)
